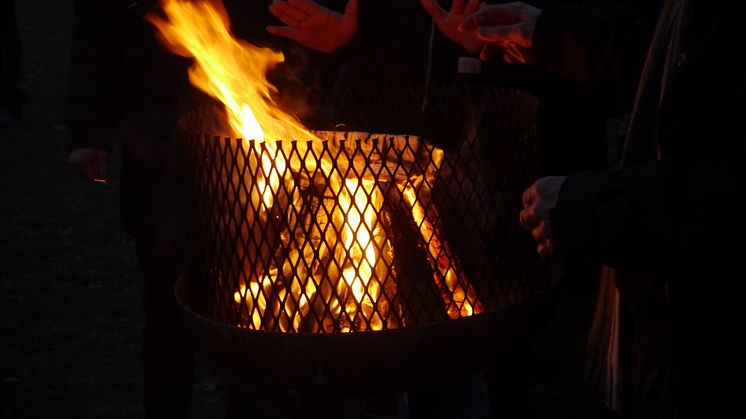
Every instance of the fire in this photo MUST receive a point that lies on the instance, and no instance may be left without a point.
(459, 297)
(361, 220)
(329, 268)
(231, 70)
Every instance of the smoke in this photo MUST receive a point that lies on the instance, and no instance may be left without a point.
(302, 87)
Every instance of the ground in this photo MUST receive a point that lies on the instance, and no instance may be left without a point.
(70, 299)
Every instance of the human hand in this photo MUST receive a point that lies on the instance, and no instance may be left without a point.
(449, 22)
(538, 200)
(313, 25)
(507, 28)
(92, 163)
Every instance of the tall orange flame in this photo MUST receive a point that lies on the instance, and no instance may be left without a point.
(231, 70)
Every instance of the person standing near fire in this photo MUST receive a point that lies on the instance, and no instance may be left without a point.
(127, 92)
(663, 224)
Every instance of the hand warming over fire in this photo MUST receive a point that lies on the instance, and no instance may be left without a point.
(538, 200)
(507, 28)
(92, 163)
(449, 22)
(314, 26)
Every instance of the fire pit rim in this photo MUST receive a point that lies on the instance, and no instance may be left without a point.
(349, 363)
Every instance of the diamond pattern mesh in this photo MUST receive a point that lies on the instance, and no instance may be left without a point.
(361, 231)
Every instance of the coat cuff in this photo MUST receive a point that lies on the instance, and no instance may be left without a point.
(573, 221)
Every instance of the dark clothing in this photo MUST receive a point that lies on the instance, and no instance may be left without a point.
(409, 50)
(168, 357)
(10, 43)
(125, 90)
(662, 221)
(12, 93)
(128, 91)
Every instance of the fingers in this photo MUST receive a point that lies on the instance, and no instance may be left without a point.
(528, 218)
(541, 232)
(457, 7)
(433, 8)
(540, 229)
(530, 195)
(545, 248)
(488, 50)
(471, 7)
(543, 237)
(284, 31)
(286, 13)
(508, 58)
(351, 9)
(510, 53)
(534, 217)
(494, 14)
(503, 34)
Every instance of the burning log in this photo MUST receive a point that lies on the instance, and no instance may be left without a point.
(331, 265)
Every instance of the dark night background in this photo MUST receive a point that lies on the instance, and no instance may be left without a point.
(70, 284)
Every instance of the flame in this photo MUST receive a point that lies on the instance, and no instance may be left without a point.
(231, 70)
(287, 287)
(234, 72)
(359, 245)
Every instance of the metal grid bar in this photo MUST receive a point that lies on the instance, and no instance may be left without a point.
(362, 232)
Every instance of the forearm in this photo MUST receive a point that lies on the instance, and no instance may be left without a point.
(649, 216)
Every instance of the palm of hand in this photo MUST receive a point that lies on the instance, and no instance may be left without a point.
(326, 31)
(313, 25)
(449, 27)
(449, 21)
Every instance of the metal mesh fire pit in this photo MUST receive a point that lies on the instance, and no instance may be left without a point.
(365, 261)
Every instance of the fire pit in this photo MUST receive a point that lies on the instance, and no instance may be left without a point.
(366, 262)
(361, 258)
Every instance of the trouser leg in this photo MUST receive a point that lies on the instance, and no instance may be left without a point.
(168, 355)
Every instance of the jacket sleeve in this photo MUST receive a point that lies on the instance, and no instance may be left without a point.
(690, 203)
(95, 72)
(682, 208)
(599, 47)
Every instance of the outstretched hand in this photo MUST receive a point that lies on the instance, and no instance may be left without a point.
(449, 21)
(313, 25)
(507, 28)
(538, 200)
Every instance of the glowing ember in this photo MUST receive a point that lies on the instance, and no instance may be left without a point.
(332, 231)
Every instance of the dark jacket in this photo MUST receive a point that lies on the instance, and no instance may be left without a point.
(665, 220)
(127, 92)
